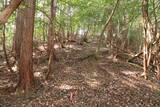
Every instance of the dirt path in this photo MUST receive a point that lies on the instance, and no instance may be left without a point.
(90, 82)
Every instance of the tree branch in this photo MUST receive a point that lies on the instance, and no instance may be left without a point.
(6, 13)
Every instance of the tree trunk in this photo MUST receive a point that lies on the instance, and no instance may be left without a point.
(26, 78)
(51, 36)
(4, 43)
(109, 35)
(149, 36)
(4, 49)
(19, 32)
(51, 31)
(145, 48)
(106, 25)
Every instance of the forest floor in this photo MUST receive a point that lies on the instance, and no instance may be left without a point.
(80, 79)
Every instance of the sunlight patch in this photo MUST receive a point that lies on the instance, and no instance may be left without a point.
(95, 74)
(69, 46)
(44, 67)
(42, 48)
(93, 83)
(15, 68)
(56, 46)
(37, 74)
(129, 72)
(129, 83)
(68, 70)
(153, 86)
(66, 87)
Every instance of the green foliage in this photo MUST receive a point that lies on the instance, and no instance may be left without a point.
(79, 14)
(22, 6)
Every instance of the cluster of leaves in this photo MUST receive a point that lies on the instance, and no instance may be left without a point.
(75, 15)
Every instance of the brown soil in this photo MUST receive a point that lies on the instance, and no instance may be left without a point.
(81, 79)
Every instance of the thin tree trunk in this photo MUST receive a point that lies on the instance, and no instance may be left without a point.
(109, 35)
(107, 23)
(149, 37)
(157, 40)
(51, 37)
(51, 31)
(4, 49)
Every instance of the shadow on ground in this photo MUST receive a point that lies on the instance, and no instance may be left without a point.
(91, 82)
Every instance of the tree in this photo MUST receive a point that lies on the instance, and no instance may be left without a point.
(26, 78)
(150, 39)
(106, 25)
(51, 36)
(51, 29)
(19, 32)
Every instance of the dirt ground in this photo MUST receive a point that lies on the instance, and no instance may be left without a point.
(80, 79)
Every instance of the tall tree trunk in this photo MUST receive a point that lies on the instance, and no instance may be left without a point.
(18, 32)
(149, 37)
(157, 48)
(106, 25)
(51, 31)
(145, 48)
(51, 36)
(26, 78)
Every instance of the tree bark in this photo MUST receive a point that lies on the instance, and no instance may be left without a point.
(51, 31)
(51, 36)
(145, 47)
(150, 33)
(6, 13)
(26, 78)
(18, 32)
